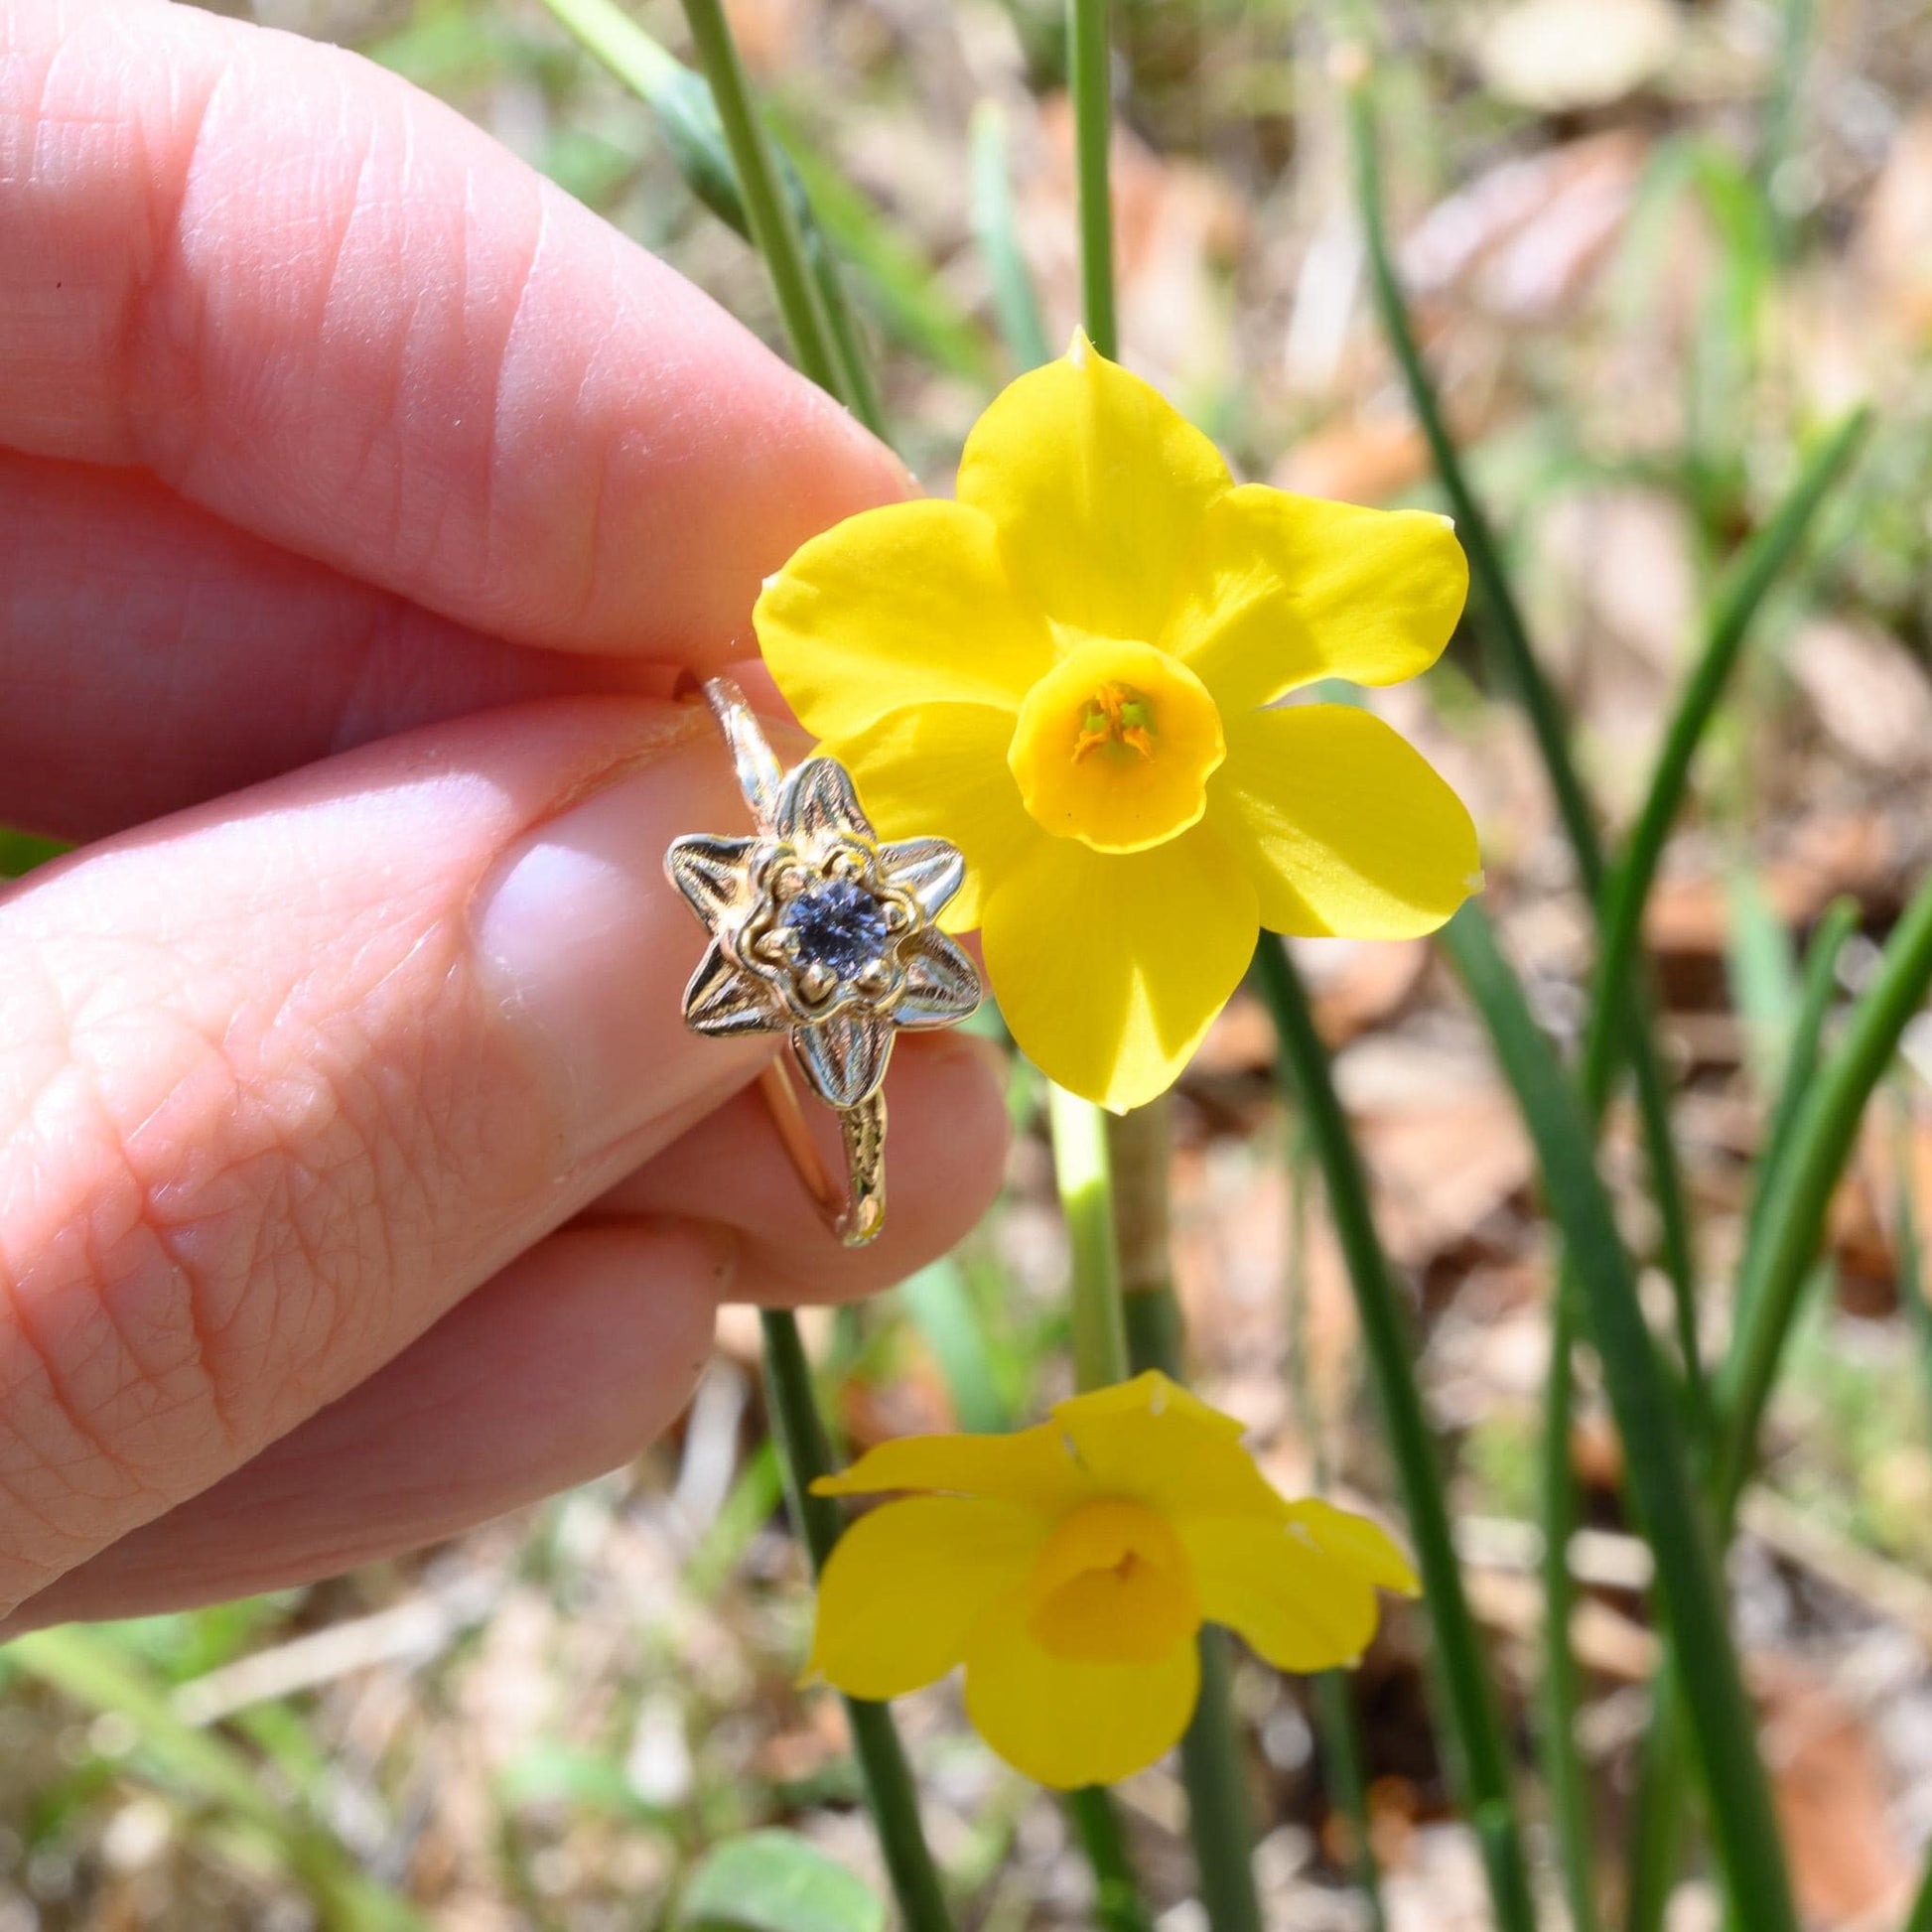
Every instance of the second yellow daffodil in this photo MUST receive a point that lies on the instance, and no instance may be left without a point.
(1071, 1567)
(1072, 673)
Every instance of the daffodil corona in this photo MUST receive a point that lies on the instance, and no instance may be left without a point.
(1072, 673)
(1069, 1568)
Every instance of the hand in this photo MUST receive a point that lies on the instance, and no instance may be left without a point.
(357, 1176)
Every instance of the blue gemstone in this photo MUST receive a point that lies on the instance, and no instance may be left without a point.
(838, 925)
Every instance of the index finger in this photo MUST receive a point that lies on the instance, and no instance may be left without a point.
(328, 308)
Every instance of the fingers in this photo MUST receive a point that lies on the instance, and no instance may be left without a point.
(154, 657)
(282, 1079)
(945, 1149)
(327, 309)
(564, 1366)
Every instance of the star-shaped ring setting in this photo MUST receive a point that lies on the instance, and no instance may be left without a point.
(822, 932)
(819, 930)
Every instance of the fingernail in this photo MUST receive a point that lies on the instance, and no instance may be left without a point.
(589, 947)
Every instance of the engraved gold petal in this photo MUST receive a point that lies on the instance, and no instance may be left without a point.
(710, 871)
(723, 1000)
(843, 1058)
(942, 985)
(817, 802)
(930, 870)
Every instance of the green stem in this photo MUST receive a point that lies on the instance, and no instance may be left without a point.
(1084, 1172)
(1659, 1820)
(1920, 1917)
(891, 1793)
(1219, 1814)
(1478, 1753)
(1085, 1179)
(1217, 1811)
(1220, 1821)
(1117, 1904)
(1341, 1743)
(1689, 1588)
(687, 113)
(768, 211)
(796, 1427)
(1091, 84)
(1155, 1336)
(1562, 1687)
(1799, 1191)
(1339, 1735)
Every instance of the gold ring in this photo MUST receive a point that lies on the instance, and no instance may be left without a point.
(824, 933)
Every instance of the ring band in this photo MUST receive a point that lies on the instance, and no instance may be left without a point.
(823, 932)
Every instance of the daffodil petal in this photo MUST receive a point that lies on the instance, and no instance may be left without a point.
(1068, 1722)
(909, 604)
(1345, 828)
(1031, 1466)
(941, 770)
(1109, 967)
(1356, 1542)
(907, 1584)
(1098, 485)
(1282, 590)
(1152, 1442)
(1293, 1603)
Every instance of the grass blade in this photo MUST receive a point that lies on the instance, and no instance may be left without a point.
(1473, 527)
(1503, 619)
(1909, 1263)
(86, 1667)
(1472, 1722)
(1797, 1191)
(687, 111)
(941, 1308)
(1016, 305)
(1689, 1588)
(1799, 1063)
(912, 303)
(1560, 1694)
(1628, 890)
(891, 1793)
(1614, 999)
(770, 212)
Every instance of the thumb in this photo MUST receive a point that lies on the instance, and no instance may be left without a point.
(283, 1079)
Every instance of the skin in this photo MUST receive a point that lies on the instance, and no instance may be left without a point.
(363, 499)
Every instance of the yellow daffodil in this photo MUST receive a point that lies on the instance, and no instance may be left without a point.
(1071, 673)
(1069, 1568)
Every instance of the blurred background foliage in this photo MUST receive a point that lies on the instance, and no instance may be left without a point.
(1652, 247)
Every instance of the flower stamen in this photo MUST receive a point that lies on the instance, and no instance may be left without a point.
(1115, 747)
(1116, 714)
